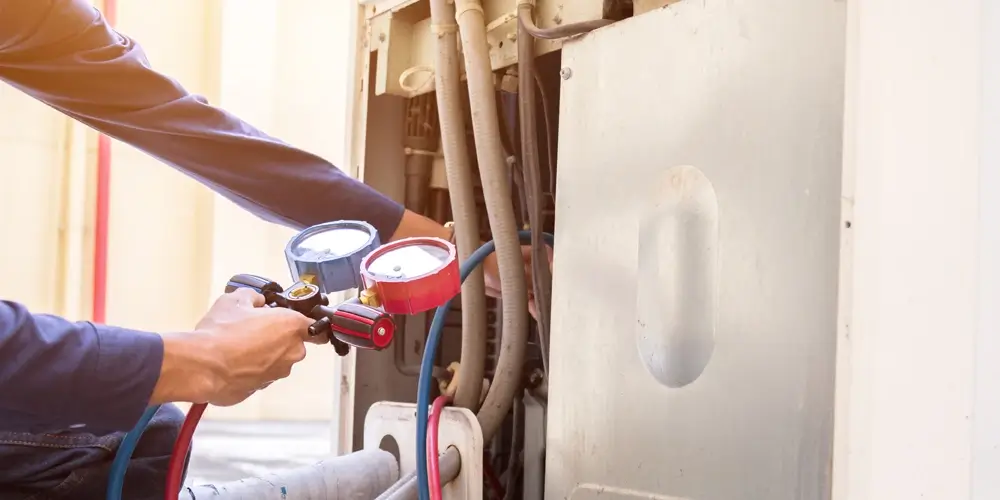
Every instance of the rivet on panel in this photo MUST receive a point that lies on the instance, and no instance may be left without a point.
(566, 73)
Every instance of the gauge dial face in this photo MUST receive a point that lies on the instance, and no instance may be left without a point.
(409, 261)
(331, 244)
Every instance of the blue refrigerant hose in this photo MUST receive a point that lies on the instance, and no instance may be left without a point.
(424, 383)
(116, 479)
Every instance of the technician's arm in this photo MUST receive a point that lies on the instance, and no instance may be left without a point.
(55, 373)
(64, 53)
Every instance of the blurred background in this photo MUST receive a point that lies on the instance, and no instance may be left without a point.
(171, 243)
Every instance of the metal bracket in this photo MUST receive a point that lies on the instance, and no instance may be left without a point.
(459, 428)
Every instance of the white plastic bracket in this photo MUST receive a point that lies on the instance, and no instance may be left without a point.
(459, 428)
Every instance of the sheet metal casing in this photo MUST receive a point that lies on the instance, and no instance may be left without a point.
(696, 260)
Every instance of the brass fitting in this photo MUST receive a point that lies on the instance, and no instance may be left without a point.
(369, 298)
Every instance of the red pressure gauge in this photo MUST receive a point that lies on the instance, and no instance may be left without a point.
(412, 275)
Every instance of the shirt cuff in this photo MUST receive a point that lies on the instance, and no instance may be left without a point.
(126, 370)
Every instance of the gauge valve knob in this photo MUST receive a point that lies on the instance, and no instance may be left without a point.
(355, 324)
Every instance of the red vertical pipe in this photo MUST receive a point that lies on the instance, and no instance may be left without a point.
(102, 212)
(101, 229)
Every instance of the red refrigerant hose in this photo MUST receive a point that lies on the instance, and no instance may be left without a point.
(433, 464)
(178, 458)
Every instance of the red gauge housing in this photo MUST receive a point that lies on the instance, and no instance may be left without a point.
(412, 275)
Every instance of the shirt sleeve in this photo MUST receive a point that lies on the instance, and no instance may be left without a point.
(63, 53)
(65, 374)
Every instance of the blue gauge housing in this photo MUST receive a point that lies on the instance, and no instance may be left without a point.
(331, 253)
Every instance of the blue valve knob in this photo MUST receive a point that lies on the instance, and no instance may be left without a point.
(329, 255)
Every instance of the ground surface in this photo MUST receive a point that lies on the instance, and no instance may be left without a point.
(229, 451)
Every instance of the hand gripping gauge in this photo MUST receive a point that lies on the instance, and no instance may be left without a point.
(350, 323)
(325, 259)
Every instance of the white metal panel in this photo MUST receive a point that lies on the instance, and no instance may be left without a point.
(698, 216)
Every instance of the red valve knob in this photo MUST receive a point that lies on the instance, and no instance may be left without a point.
(355, 324)
(362, 326)
(412, 275)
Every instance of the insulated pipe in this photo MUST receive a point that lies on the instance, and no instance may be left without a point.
(363, 474)
(499, 208)
(463, 202)
(449, 464)
(102, 210)
(533, 178)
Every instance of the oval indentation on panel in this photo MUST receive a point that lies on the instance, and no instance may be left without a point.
(677, 276)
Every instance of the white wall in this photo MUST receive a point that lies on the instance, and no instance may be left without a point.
(281, 65)
(33, 141)
(918, 380)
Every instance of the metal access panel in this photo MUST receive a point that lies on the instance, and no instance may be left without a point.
(697, 236)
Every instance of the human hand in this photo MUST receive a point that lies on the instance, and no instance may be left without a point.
(491, 274)
(238, 348)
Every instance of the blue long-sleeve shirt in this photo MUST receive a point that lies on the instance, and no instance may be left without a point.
(56, 373)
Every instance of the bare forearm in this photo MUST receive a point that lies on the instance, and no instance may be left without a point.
(190, 372)
(413, 224)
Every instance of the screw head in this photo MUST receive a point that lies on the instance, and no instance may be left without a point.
(380, 331)
(566, 73)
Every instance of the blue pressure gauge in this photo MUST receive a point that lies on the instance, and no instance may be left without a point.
(329, 255)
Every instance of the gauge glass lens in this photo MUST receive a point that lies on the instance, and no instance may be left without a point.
(409, 261)
(332, 244)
